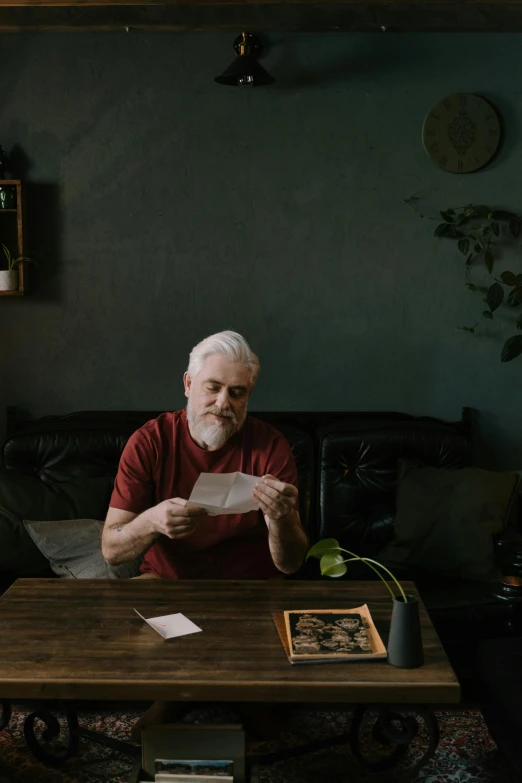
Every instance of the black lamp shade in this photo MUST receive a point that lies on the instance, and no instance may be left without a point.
(245, 70)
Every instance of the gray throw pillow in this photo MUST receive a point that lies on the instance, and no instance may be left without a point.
(446, 520)
(73, 549)
(27, 497)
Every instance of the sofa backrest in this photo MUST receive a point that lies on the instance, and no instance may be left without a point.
(89, 445)
(347, 462)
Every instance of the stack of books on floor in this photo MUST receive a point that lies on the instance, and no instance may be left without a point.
(193, 771)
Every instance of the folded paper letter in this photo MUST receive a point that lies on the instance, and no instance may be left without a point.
(224, 493)
(171, 625)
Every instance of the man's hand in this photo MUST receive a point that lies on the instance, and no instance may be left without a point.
(286, 538)
(276, 499)
(174, 519)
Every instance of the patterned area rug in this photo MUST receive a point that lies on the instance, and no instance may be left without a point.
(466, 753)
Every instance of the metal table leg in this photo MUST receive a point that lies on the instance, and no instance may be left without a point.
(395, 731)
(392, 730)
(75, 733)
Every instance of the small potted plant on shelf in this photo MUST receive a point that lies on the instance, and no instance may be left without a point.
(9, 277)
(405, 640)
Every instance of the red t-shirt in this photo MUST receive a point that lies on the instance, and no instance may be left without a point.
(161, 461)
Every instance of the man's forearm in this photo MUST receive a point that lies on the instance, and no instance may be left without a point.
(288, 543)
(122, 543)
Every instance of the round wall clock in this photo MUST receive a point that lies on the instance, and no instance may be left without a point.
(461, 133)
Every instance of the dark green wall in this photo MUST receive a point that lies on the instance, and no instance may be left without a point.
(165, 207)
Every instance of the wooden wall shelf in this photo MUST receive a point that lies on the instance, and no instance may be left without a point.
(259, 15)
(12, 234)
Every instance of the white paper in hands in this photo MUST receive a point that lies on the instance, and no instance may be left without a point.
(171, 625)
(224, 493)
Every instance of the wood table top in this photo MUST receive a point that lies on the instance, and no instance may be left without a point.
(81, 639)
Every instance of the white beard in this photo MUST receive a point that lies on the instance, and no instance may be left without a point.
(214, 435)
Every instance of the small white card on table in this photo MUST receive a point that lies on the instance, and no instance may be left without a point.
(171, 625)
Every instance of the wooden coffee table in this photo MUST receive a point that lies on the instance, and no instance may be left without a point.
(80, 639)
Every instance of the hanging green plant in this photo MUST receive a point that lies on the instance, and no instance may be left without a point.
(475, 229)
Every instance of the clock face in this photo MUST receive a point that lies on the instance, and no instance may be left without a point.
(461, 133)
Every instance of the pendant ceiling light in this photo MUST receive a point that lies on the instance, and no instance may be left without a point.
(245, 70)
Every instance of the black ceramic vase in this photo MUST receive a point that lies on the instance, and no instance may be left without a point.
(405, 640)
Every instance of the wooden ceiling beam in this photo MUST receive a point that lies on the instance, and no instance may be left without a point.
(261, 15)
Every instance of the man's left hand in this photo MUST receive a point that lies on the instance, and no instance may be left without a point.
(276, 499)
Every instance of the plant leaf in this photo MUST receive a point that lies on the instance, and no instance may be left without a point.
(323, 546)
(519, 322)
(495, 296)
(447, 230)
(463, 246)
(509, 278)
(489, 260)
(332, 565)
(19, 260)
(514, 227)
(515, 297)
(487, 314)
(512, 348)
(447, 216)
(495, 229)
(519, 279)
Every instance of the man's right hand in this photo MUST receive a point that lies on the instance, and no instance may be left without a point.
(175, 519)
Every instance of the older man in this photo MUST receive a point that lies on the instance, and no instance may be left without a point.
(161, 462)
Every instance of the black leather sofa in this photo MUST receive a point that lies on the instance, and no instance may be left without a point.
(347, 464)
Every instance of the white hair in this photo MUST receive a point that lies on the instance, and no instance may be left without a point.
(229, 344)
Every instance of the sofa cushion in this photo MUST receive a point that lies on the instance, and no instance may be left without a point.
(24, 497)
(73, 549)
(358, 474)
(446, 520)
